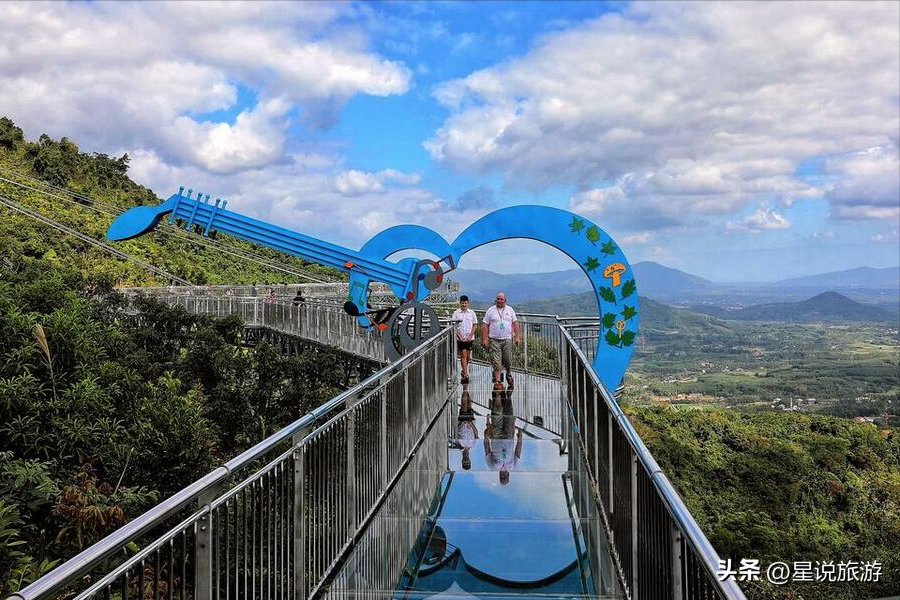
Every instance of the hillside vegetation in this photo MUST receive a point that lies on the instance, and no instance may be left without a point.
(786, 487)
(104, 178)
(101, 419)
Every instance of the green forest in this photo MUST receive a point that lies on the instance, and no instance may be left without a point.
(101, 417)
(785, 487)
(29, 168)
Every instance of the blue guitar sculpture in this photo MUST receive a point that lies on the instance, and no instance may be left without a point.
(412, 279)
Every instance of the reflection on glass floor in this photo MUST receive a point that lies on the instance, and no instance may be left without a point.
(492, 506)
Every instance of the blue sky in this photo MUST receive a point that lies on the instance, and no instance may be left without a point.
(748, 141)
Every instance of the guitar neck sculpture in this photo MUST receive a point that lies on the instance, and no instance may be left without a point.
(403, 277)
(599, 257)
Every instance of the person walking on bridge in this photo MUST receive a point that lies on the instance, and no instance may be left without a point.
(466, 323)
(502, 330)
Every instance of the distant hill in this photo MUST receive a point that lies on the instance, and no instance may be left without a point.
(655, 316)
(653, 280)
(828, 306)
(863, 277)
(482, 285)
(668, 285)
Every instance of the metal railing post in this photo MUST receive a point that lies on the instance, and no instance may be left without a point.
(351, 472)
(525, 346)
(677, 590)
(405, 404)
(299, 509)
(382, 442)
(203, 547)
(595, 427)
(421, 398)
(609, 464)
(634, 527)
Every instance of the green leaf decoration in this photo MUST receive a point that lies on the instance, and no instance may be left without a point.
(608, 248)
(576, 224)
(608, 295)
(593, 234)
(628, 288)
(609, 319)
(612, 338)
(628, 312)
(591, 264)
(627, 338)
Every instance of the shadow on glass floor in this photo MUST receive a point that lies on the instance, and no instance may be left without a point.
(486, 509)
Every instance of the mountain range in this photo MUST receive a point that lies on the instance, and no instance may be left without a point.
(672, 286)
(828, 306)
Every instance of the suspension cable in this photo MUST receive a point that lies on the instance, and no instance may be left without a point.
(168, 229)
(86, 238)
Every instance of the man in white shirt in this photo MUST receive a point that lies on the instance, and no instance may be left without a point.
(465, 428)
(466, 322)
(502, 329)
(502, 439)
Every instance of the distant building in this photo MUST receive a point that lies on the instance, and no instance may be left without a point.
(864, 419)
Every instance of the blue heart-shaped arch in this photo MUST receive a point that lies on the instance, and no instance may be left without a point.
(599, 257)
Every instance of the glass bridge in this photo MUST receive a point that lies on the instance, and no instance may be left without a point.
(412, 486)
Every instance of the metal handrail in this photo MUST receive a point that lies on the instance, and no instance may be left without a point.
(673, 503)
(92, 556)
(202, 491)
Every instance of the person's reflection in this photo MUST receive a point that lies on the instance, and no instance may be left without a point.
(465, 428)
(501, 451)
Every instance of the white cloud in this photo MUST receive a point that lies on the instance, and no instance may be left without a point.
(357, 183)
(136, 76)
(682, 110)
(890, 236)
(867, 184)
(644, 237)
(761, 220)
(300, 193)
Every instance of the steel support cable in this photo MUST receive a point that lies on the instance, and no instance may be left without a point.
(86, 238)
(168, 228)
(215, 245)
(117, 210)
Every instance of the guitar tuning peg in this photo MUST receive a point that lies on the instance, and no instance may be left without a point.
(224, 203)
(181, 190)
(217, 200)
(190, 192)
(206, 200)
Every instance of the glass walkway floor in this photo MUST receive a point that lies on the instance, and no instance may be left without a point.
(486, 509)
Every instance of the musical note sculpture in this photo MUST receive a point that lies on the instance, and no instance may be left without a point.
(412, 279)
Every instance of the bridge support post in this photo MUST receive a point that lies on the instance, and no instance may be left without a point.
(203, 548)
(525, 347)
(383, 441)
(405, 408)
(299, 510)
(609, 466)
(677, 588)
(634, 527)
(351, 473)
